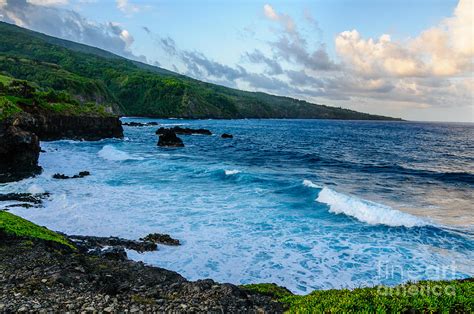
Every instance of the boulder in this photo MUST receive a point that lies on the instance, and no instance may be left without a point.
(168, 138)
(226, 135)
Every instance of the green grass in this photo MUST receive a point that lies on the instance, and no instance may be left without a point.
(424, 297)
(5, 80)
(269, 289)
(14, 225)
(76, 109)
(7, 108)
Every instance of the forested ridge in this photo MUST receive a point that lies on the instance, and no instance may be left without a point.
(132, 88)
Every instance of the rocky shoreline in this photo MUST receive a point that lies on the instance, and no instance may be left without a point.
(20, 137)
(42, 276)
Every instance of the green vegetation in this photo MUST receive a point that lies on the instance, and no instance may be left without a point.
(269, 289)
(133, 88)
(424, 297)
(7, 108)
(19, 95)
(14, 225)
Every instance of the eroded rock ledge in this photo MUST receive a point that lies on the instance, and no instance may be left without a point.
(36, 275)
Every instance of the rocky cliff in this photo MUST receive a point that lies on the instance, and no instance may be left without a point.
(20, 137)
(19, 152)
(52, 126)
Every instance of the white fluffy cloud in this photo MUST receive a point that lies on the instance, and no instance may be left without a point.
(444, 50)
(48, 2)
(67, 24)
(127, 7)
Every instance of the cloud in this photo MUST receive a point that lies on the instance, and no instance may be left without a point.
(126, 7)
(256, 56)
(48, 2)
(285, 20)
(69, 24)
(292, 47)
(444, 50)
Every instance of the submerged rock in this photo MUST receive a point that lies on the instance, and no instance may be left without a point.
(161, 239)
(139, 124)
(36, 199)
(168, 138)
(183, 131)
(226, 135)
(61, 176)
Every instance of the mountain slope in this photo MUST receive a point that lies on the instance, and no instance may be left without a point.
(134, 88)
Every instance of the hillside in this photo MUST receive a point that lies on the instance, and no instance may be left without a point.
(134, 88)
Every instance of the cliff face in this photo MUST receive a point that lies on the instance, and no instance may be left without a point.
(19, 152)
(51, 126)
(20, 136)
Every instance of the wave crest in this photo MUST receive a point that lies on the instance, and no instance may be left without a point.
(310, 184)
(366, 211)
(231, 172)
(109, 152)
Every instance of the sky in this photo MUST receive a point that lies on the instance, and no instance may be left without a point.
(404, 58)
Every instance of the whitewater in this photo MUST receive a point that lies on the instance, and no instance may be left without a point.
(304, 204)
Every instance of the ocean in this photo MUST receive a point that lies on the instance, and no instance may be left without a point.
(306, 204)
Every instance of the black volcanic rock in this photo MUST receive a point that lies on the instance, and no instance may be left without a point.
(226, 135)
(161, 239)
(50, 126)
(81, 174)
(42, 277)
(87, 243)
(168, 138)
(184, 131)
(139, 124)
(19, 152)
(36, 199)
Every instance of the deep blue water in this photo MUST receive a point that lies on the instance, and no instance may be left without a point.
(308, 204)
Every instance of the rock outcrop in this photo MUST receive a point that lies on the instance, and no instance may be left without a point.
(50, 126)
(20, 136)
(40, 277)
(168, 138)
(183, 131)
(19, 153)
(226, 135)
(160, 238)
(81, 174)
(139, 124)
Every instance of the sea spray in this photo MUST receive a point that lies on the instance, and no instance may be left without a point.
(111, 153)
(366, 211)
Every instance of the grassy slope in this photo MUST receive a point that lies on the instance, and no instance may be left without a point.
(403, 298)
(16, 95)
(139, 89)
(17, 226)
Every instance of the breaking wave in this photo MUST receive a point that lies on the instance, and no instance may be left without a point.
(366, 211)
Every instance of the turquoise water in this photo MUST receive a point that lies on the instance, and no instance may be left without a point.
(305, 204)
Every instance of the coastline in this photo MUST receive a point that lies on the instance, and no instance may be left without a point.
(43, 273)
(92, 280)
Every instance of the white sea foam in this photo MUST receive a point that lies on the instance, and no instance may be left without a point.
(310, 184)
(111, 153)
(367, 211)
(231, 172)
(35, 189)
